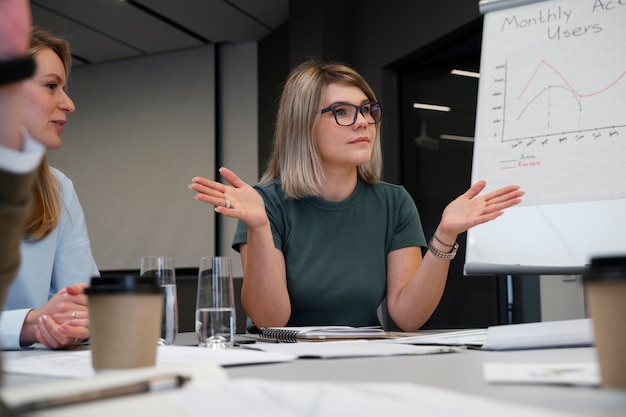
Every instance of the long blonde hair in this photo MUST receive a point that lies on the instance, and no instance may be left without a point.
(46, 194)
(295, 159)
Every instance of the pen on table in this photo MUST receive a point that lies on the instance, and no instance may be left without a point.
(156, 383)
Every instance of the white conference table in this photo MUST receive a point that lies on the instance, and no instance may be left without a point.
(460, 372)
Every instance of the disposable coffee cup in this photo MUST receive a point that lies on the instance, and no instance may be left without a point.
(605, 292)
(125, 321)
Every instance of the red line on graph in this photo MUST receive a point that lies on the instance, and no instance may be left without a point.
(567, 83)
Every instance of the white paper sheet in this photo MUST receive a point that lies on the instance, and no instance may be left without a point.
(294, 399)
(259, 398)
(77, 364)
(575, 373)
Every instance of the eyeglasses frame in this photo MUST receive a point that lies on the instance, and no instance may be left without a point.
(359, 109)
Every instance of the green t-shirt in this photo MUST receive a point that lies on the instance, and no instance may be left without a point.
(335, 252)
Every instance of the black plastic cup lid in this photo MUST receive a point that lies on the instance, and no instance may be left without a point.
(123, 284)
(609, 268)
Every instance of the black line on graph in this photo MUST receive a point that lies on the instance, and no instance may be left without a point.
(547, 89)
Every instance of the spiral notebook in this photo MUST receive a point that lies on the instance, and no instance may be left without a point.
(295, 334)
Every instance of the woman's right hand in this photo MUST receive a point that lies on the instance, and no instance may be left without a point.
(246, 204)
(61, 323)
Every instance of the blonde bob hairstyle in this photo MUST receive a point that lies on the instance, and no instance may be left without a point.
(295, 159)
(46, 195)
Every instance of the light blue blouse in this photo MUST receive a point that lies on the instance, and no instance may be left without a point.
(62, 258)
(25, 160)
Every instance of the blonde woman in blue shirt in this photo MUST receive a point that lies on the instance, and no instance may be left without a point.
(19, 154)
(45, 302)
(322, 239)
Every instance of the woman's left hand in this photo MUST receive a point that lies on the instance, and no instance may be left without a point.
(469, 209)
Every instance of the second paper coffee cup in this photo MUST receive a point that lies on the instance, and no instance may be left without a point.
(125, 321)
(605, 291)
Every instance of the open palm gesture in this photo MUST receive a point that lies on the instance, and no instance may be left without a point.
(469, 209)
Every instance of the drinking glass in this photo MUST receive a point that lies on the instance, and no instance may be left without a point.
(215, 304)
(162, 268)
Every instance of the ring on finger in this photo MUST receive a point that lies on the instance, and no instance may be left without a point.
(74, 314)
(76, 340)
(226, 203)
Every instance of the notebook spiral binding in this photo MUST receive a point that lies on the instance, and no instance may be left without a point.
(280, 335)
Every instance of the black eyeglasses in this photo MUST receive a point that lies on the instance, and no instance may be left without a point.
(346, 114)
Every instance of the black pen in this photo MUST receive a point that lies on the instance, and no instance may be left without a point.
(156, 383)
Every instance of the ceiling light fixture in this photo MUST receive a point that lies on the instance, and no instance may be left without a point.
(430, 107)
(457, 137)
(465, 73)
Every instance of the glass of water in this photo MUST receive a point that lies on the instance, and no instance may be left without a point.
(215, 304)
(162, 269)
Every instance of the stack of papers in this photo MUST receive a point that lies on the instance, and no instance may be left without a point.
(549, 334)
(474, 338)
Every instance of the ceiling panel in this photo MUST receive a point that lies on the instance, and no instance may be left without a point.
(215, 20)
(123, 23)
(272, 13)
(86, 44)
(105, 30)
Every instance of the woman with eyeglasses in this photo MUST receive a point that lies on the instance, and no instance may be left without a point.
(45, 302)
(322, 239)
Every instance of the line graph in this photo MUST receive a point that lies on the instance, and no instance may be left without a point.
(555, 105)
